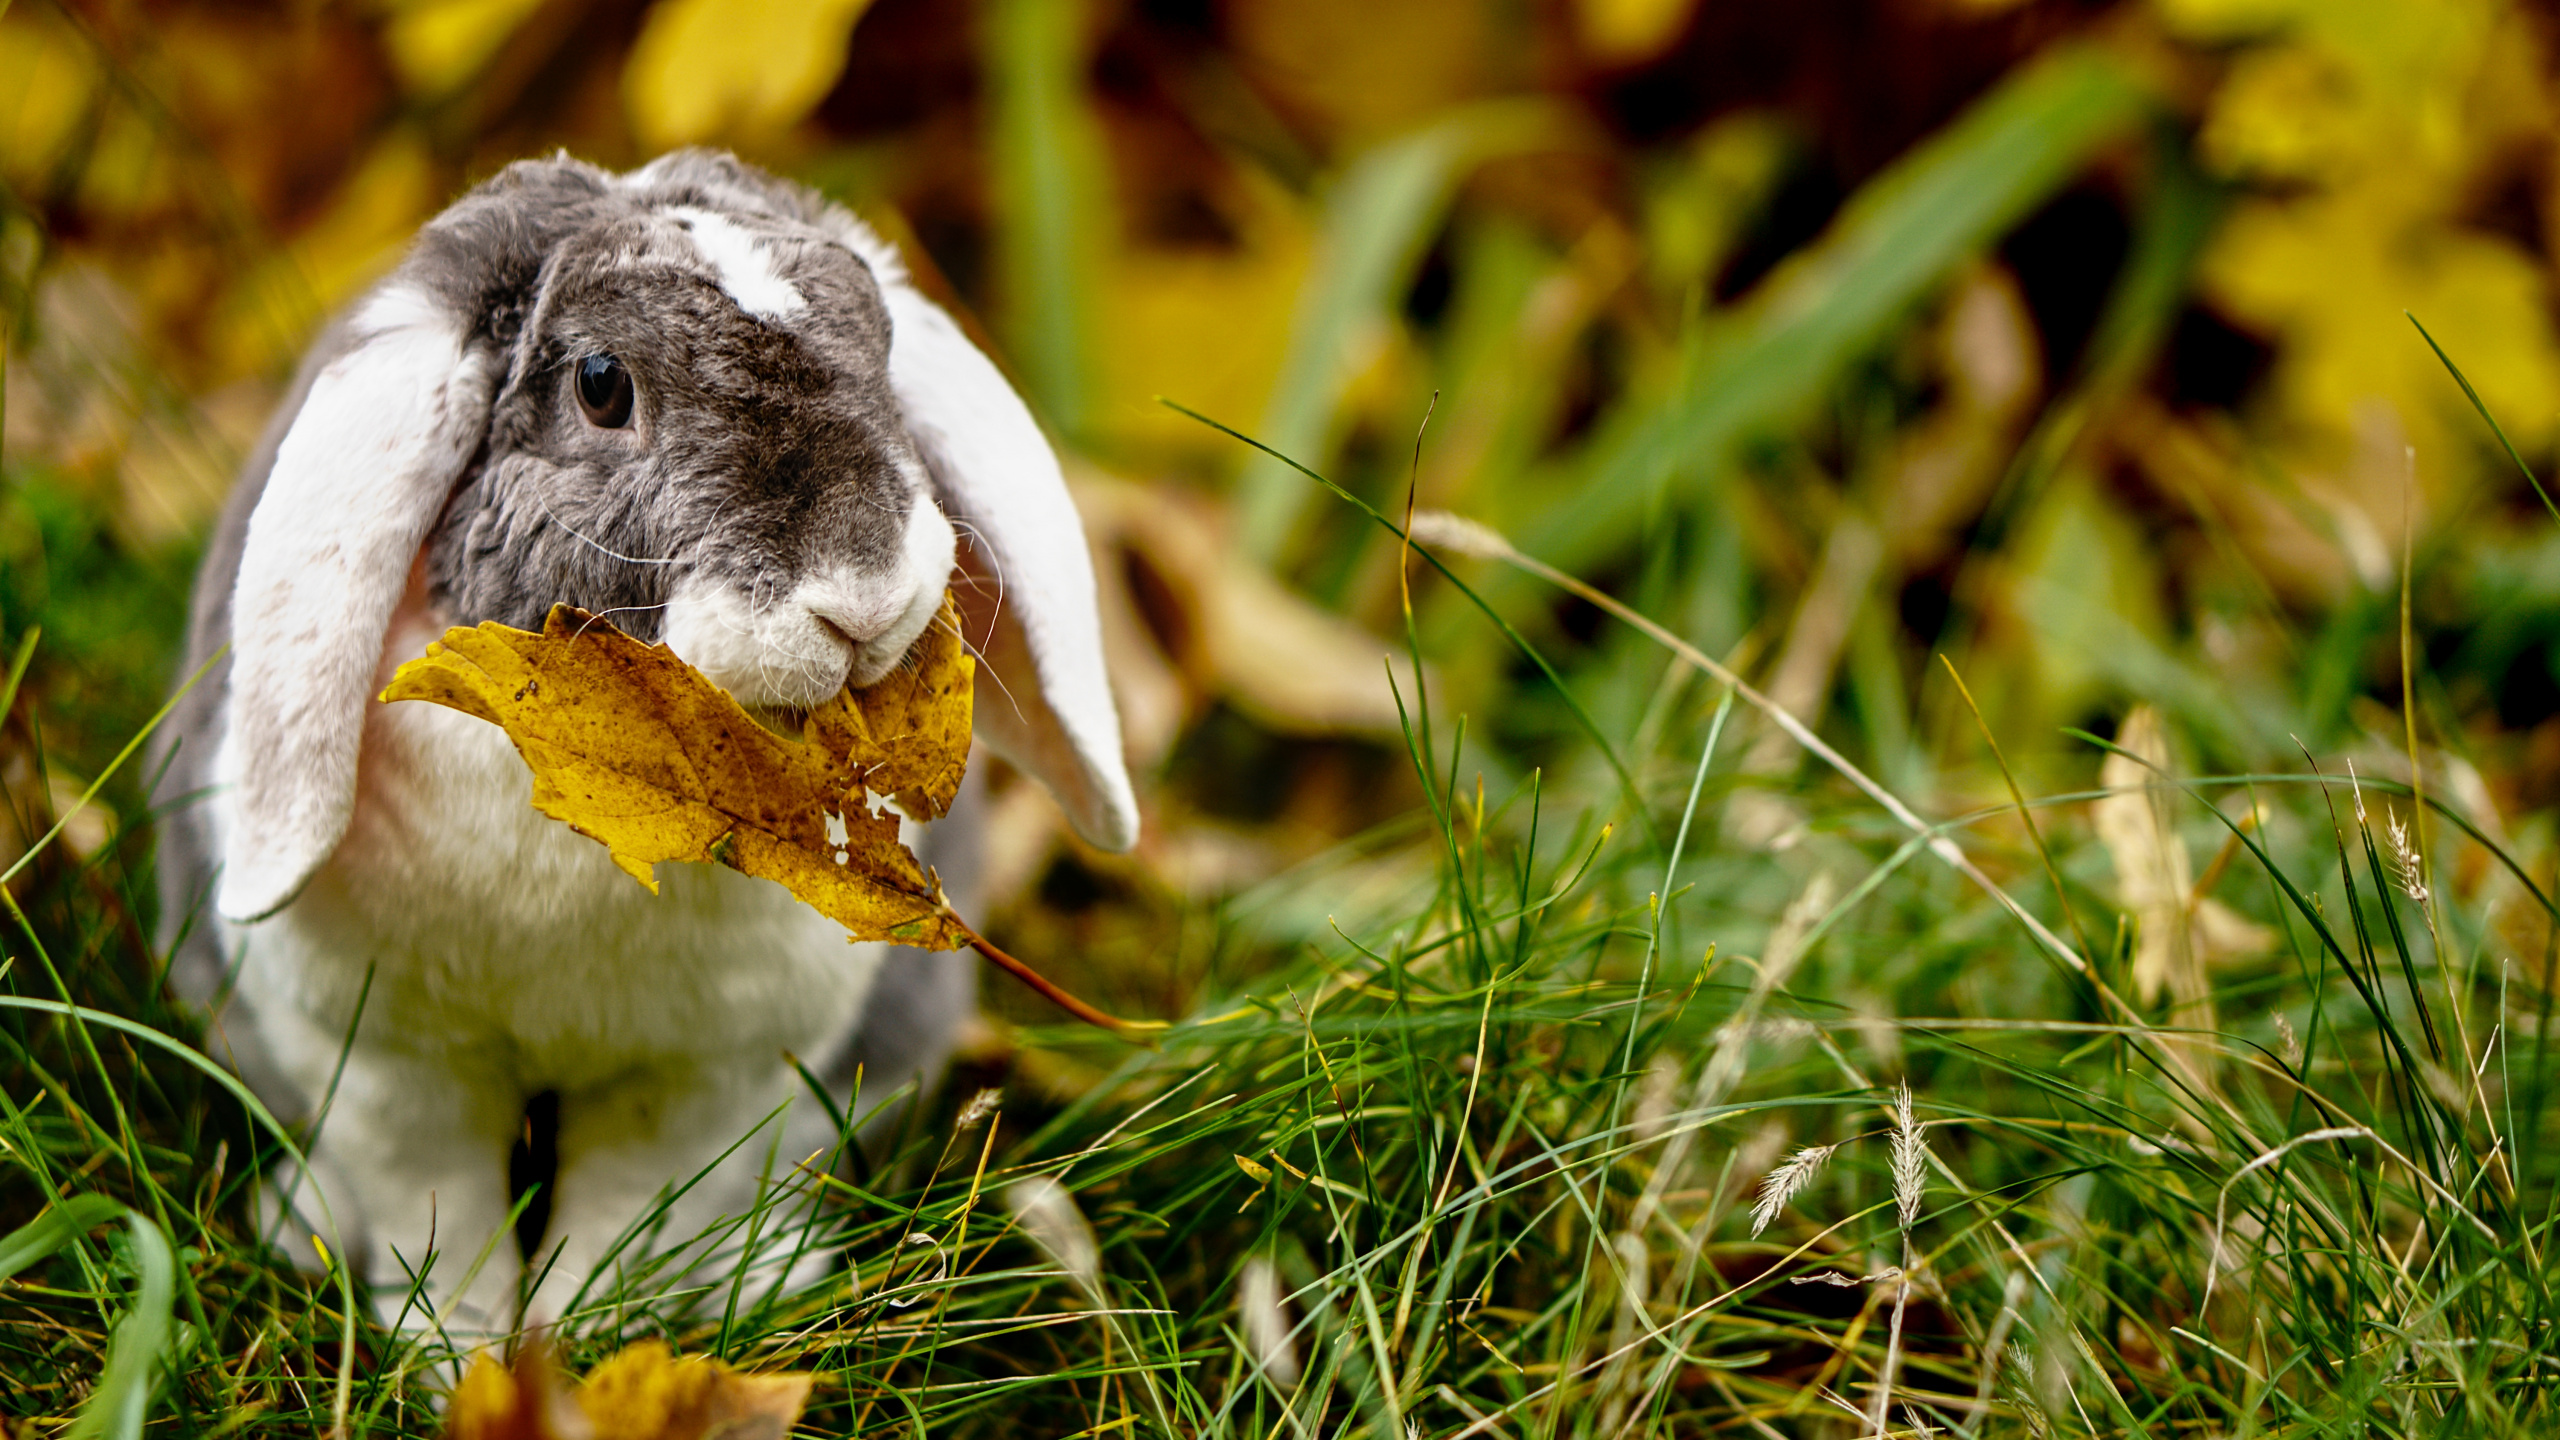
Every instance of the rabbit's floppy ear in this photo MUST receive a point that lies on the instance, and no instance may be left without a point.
(386, 428)
(996, 474)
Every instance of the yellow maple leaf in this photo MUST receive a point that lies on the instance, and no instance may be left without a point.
(632, 747)
(648, 1393)
(643, 1392)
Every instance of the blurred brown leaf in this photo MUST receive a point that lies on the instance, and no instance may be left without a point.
(1225, 626)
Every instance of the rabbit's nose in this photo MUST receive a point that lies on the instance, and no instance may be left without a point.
(855, 610)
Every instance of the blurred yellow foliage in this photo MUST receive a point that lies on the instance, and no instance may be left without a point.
(127, 172)
(719, 70)
(1362, 71)
(2288, 113)
(2333, 273)
(2380, 126)
(46, 77)
(271, 313)
(1206, 325)
(642, 1392)
(1623, 32)
(2213, 21)
(436, 46)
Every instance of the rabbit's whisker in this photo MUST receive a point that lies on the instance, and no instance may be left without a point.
(623, 610)
(976, 582)
(994, 564)
(990, 672)
(591, 542)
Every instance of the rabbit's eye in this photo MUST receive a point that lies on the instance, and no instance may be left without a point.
(604, 391)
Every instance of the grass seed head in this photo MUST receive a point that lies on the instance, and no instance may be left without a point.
(1783, 1183)
(1444, 530)
(980, 1106)
(1266, 1323)
(1910, 1159)
(1048, 1214)
(2405, 865)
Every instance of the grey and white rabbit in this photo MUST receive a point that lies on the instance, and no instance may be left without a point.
(706, 404)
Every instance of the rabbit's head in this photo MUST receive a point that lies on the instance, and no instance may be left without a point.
(695, 400)
(697, 437)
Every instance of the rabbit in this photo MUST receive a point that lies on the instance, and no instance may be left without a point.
(703, 403)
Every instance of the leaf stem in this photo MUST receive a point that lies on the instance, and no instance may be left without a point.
(1134, 1030)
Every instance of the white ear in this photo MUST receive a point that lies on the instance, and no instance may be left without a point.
(383, 433)
(999, 480)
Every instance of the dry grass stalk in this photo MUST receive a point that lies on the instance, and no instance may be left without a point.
(1787, 944)
(1473, 538)
(1616, 1386)
(1047, 1212)
(1801, 682)
(2012, 1295)
(2214, 1259)
(2153, 876)
(2178, 932)
(1910, 1184)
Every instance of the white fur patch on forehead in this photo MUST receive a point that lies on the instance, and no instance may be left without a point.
(886, 264)
(743, 264)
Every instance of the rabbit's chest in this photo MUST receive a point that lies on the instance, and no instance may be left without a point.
(487, 926)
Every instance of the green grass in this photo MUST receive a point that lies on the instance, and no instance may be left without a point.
(1486, 1144)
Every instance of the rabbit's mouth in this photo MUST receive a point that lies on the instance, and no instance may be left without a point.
(787, 655)
(838, 626)
(881, 653)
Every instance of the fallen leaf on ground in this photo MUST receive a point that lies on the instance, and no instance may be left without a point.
(2177, 932)
(644, 1392)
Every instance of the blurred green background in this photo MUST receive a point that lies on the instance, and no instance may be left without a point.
(2062, 340)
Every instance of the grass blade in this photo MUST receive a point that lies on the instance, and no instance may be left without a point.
(1378, 220)
(122, 1397)
(1897, 240)
(1046, 173)
(54, 1229)
(2482, 408)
